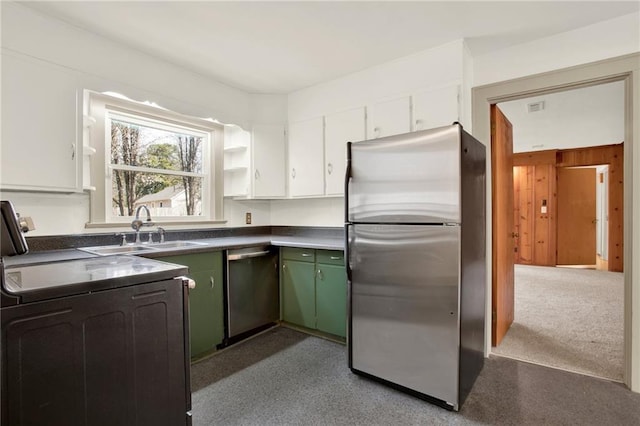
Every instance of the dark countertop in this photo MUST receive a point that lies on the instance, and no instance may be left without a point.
(330, 242)
(46, 257)
(208, 244)
(43, 281)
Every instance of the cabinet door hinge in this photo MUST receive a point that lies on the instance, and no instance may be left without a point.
(493, 316)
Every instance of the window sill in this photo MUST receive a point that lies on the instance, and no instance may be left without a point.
(186, 224)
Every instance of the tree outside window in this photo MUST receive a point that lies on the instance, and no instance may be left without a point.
(155, 165)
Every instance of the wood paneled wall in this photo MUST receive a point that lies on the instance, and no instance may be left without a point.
(535, 180)
(535, 212)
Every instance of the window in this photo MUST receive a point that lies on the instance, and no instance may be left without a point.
(149, 156)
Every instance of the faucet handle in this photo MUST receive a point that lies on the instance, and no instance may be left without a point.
(123, 242)
(161, 231)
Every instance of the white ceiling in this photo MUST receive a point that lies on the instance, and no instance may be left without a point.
(280, 47)
(588, 116)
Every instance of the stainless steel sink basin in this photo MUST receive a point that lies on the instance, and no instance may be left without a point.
(178, 244)
(144, 248)
(106, 250)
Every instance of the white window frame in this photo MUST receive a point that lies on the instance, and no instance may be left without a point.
(102, 108)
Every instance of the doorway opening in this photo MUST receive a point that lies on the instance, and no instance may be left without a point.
(564, 196)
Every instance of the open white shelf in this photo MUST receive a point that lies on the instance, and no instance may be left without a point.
(236, 148)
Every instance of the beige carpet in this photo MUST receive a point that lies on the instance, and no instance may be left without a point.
(568, 318)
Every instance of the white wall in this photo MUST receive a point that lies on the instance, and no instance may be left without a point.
(467, 85)
(309, 212)
(96, 63)
(588, 116)
(606, 39)
(234, 212)
(268, 109)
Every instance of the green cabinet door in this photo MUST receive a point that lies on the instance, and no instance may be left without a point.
(206, 308)
(331, 299)
(298, 293)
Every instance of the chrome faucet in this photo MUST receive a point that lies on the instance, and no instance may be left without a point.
(137, 223)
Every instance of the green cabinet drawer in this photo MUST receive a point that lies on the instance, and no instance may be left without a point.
(198, 261)
(330, 257)
(300, 254)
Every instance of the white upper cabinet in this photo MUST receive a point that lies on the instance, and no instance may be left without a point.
(340, 128)
(306, 162)
(387, 118)
(40, 125)
(436, 108)
(268, 172)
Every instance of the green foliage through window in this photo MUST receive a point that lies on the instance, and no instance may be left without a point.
(162, 169)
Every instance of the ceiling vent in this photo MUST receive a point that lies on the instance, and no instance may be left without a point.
(535, 106)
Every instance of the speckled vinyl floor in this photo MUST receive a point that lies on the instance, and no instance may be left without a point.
(284, 377)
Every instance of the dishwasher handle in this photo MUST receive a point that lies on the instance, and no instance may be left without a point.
(241, 256)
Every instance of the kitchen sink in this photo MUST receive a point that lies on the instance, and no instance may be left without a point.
(139, 248)
(177, 244)
(106, 250)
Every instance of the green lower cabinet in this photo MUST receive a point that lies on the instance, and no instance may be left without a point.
(298, 293)
(314, 294)
(206, 308)
(331, 299)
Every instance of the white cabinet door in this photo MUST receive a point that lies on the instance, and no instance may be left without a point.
(387, 118)
(306, 162)
(340, 128)
(435, 108)
(268, 153)
(39, 127)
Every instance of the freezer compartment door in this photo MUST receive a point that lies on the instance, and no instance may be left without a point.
(404, 305)
(409, 178)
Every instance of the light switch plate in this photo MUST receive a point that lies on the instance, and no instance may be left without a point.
(247, 218)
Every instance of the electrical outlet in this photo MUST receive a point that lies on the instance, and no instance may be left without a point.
(247, 218)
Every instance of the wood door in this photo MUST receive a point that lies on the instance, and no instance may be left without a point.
(576, 216)
(502, 299)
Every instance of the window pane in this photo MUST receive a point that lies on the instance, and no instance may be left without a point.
(164, 195)
(145, 146)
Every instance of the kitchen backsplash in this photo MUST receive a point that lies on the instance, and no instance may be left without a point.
(61, 242)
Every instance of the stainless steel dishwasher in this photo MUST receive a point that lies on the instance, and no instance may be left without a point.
(252, 291)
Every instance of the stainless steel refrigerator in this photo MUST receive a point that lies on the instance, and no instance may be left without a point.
(415, 230)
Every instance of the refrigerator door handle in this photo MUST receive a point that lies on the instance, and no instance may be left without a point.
(347, 251)
(347, 181)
